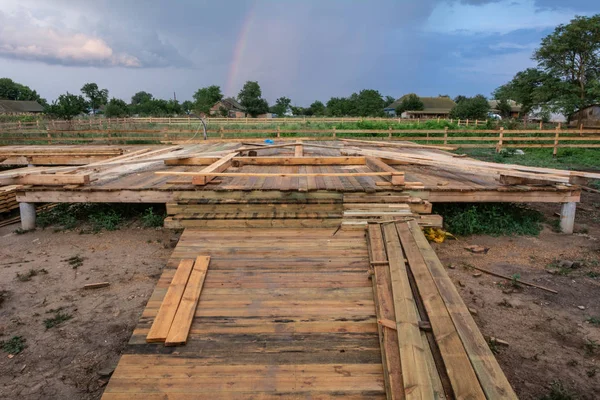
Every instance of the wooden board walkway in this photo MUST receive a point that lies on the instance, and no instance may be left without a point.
(314, 313)
(284, 313)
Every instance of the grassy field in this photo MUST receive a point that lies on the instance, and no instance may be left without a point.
(573, 159)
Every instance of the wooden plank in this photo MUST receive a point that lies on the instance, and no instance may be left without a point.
(168, 308)
(54, 179)
(283, 174)
(218, 166)
(273, 160)
(178, 333)
(376, 164)
(415, 372)
(299, 149)
(491, 377)
(384, 306)
(462, 377)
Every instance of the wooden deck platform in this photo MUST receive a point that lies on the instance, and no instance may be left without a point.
(284, 313)
(132, 182)
(309, 313)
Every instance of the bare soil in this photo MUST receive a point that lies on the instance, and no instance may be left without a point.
(72, 359)
(548, 335)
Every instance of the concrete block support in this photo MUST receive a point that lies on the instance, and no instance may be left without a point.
(567, 217)
(27, 211)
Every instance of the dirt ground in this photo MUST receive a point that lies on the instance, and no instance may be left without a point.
(548, 337)
(71, 360)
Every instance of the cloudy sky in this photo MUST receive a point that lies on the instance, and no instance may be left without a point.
(302, 49)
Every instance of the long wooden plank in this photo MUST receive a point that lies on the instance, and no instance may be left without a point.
(375, 164)
(218, 166)
(54, 179)
(168, 308)
(493, 381)
(462, 376)
(178, 333)
(415, 372)
(283, 174)
(384, 307)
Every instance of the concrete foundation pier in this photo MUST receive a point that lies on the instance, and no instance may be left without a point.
(27, 211)
(567, 217)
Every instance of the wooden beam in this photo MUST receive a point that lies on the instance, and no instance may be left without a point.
(240, 161)
(265, 174)
(182, 322)
(393, 144)
(462, 376)
(375, 164)
(490, 375)
(415, 370)
(218, 166)
(168, 308)
(299, 149)
(54, 179)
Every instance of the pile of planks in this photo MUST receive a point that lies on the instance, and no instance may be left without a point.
(430, 344)
(174, 319)
(56, 155)
(8, 198)
(510, 174)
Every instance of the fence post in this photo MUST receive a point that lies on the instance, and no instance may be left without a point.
(278, 131)
(438, 120)
(445, 135)
(334, 134)
(467, 122)
(476, 122)
(390, 132)
(221, 130)
(20, 127)
(49, 138)
(418, 121)
(37, 123)
(500, 139)
(428, 137)
(581, 130)
(555, 149)
(541, 125)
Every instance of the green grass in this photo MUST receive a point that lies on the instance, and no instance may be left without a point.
(99, 216)
(14, 345)
(558, 392)
(489, 218)
(25, 277)
(574, 159)
(58, 318)
(594, 320)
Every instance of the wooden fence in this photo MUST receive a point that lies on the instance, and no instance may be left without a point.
(190, 122)
(460, 138)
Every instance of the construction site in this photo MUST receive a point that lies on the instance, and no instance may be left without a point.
(294, 268)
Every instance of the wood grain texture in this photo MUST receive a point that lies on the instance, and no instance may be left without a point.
(168, 308)
(180, 328)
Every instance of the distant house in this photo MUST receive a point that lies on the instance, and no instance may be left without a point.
(433, 107)
(515, 108)
(20, 107)
(234, 109)
(588, 116)
(538, 114)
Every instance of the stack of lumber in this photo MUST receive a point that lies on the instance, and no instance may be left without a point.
(302, 211)
(430, 344)
(506, 173)
(8, 198)
(174, 319)
(56, 155)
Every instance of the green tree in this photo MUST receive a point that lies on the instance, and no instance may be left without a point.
(388, 101)
(410, 102)
(471, 108)
(342, 106)
(116, 108)
(67, 106)
(206, 98)
(460, 98)
(504, 108)
(11, 90)
(571, 55)
(96, 97)
(369, 103)
(530, 88)
(141, 97)
(281, 106)
(317, 108)
(250, 98)
(187, 106)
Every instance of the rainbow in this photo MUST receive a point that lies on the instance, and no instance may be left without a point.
(238, 51)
